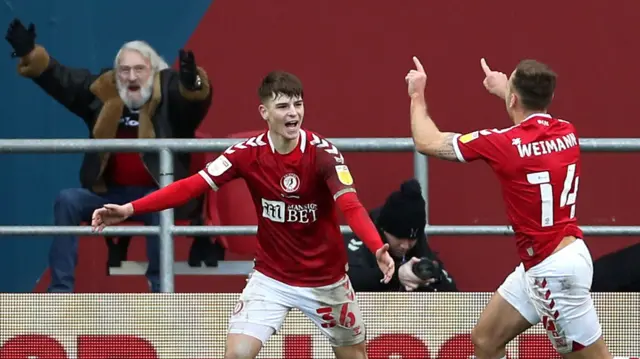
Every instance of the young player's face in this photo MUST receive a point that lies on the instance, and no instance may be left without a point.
(284, 115)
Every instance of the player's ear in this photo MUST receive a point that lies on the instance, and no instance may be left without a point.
(263, 111)
(513, 99)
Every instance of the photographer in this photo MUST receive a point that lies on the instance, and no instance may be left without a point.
(401, 222)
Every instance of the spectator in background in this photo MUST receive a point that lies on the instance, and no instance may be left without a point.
(140, 97)
(401, 222)
(618, 271)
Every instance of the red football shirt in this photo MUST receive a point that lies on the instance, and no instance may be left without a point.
(538, 165)
(299, 239)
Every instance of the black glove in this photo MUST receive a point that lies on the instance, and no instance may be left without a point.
(188, 71)
(21, 39)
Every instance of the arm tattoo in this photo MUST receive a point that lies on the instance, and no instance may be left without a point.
(445, 150)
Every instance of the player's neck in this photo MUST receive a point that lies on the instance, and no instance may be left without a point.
(518, 117)
(283, 145)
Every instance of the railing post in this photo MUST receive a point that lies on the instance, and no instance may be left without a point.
(421, 173)
(166, 225)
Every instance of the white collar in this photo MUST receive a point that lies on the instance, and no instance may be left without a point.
(302, 139)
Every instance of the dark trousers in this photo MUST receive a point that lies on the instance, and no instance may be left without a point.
(618, 271)
(75, 205)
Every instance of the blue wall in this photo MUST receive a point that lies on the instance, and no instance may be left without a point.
(78, 33)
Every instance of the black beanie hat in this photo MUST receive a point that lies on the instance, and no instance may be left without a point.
(403, 214)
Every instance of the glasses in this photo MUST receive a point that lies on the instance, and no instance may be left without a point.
(138, 70)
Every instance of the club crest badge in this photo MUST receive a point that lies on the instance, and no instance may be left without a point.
(290, 182)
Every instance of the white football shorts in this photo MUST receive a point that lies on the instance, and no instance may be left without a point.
(265, 302)
(556, 292)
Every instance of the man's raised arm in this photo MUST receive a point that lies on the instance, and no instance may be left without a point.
(69, 86)
(426, 136)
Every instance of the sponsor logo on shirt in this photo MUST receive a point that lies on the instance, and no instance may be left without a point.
(469, 137)
(281, 212)
(128, 122)
(344, 175)
(218, 166)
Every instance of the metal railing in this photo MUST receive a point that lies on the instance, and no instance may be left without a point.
(166, 230)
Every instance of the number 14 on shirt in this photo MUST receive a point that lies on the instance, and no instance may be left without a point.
(546, 193)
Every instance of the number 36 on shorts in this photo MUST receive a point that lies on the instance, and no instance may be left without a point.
(347, 319)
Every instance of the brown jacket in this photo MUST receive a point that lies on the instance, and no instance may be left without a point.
(172, 112)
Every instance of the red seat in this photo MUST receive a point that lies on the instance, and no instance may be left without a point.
(232, 205)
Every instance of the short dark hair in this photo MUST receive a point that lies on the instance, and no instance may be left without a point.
(280, 83)
(535, 82)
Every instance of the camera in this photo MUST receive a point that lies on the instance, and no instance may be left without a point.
(426, 269)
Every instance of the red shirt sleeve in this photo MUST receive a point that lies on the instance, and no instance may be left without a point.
(359, 221)
(174, 195)
(223, 169)
(485, 144)
(226, 167)
(333, 168)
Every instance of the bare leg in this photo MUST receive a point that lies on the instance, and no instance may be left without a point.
(499, 323)
(242, 346)
(357, 351)
(597, 350)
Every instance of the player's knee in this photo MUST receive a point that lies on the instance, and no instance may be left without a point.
(483, 341)
(238, 355)
(356, 351)
(242, 346)
(239, 351)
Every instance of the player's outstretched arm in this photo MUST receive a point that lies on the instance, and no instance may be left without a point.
(358, 219)
(174, 195)
(426, 136)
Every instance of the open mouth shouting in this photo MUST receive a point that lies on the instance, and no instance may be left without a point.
(291, 124)
(133, 88)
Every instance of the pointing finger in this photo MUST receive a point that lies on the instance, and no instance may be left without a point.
(418, 64)
(485, 67)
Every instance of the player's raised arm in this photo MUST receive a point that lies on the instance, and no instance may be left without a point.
(494, 81)
(426, 136)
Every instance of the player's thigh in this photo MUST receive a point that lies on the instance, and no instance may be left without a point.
(356, 351)
(243, 346)
(508, 313)
(260, 310)
(335, 311)
(559, 287)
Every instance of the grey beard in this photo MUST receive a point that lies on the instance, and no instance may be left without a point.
(145, 91)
